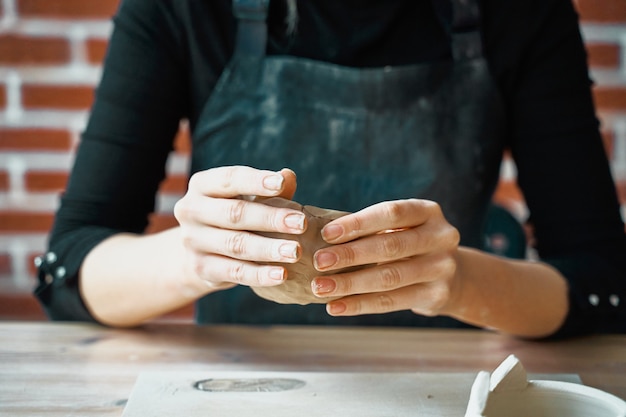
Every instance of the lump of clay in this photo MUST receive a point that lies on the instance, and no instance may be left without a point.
(297, 287)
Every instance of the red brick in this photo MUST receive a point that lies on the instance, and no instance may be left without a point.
(19, 50)
(4, 181)
(160, 222)
(96, 50)
(621, 191)
(35, 139)
(608, 140)
(182, 142)
(21, 306)
(25, 222)
(64, 97)
(603, 55)
(604, 11)
(30, 265)
(3, 96)
(45, 181)
(5, 264)
(174, 184)
(507, 192)
(68, 9)
(610, 98)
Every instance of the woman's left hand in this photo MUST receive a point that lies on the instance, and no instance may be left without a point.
(413, 251)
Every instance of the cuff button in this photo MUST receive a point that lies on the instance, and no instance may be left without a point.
(60, 272)
(614, 300)
(51, 257)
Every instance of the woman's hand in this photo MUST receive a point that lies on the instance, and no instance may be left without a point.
(414, 251)
(215, 222)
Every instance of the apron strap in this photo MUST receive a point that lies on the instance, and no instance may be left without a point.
(461, 19)
(251, 26)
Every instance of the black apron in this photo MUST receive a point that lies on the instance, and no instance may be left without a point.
(355, 137)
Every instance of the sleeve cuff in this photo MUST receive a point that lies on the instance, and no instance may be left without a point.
(58, 270)
(597, 296)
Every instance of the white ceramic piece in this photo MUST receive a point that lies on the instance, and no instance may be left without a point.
(508, 393)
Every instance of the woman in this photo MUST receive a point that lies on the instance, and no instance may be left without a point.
(397, 111)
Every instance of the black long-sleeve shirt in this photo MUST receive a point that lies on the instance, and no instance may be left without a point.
(165, 56)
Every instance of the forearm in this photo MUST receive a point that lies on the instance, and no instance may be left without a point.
(526, 299)
(128, 279)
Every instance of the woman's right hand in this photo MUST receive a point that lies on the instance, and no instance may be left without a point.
(216, 220)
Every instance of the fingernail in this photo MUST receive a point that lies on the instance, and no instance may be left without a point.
(323, 286)
(332, 232)
(335, 307)
(277, 274)
(295, 221)
(273, 182)
(324, 260)
(288, 250)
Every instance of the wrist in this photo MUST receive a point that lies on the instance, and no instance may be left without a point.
(523, 298)
(460, 289)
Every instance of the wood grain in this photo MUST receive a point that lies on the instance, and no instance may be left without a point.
(64, 369)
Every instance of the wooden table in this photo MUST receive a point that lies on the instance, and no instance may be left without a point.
(57, 369)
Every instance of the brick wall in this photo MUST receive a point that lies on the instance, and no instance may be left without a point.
(50, 56)
(604, 31)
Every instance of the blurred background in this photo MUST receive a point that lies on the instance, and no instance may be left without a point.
(50, 62)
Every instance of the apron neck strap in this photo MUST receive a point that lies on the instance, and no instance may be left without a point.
(251, 26)
(461, 19)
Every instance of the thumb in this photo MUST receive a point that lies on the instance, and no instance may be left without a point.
(289, 188)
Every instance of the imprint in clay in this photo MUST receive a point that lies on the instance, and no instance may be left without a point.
(297, 287)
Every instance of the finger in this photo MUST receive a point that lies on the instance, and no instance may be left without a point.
(385, 247)
(397, 214)
(426, 299)
(371, 249)
(238, 214)
(289, 187)
(385, 277)
(232, 181)
(242, 245)
(216, 270)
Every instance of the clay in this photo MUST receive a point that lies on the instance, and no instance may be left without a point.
(297, 287)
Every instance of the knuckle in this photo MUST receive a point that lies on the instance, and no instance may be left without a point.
(390, 278)
(384, 302)
(194, 180)
(235, 211)
(236, 243)
(228, 174)
(198, 266)
(432, 206)
(181, 210)
(188, 240)
(236, 272)
(392, 245)
(455, 236)
(274, 218)
(356, 223)
(355, 307)
(260, 277)
(344, 286)
(447, 267)
(393, 211)
(347, 256)
(439, 297)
